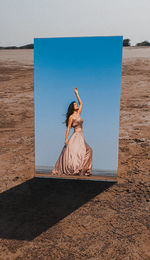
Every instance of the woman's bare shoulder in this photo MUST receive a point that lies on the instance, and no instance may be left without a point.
(71, 117)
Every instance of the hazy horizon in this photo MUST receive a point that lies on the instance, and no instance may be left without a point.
(71, 37)
(96, 172)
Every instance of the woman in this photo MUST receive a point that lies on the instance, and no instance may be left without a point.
(76, 155)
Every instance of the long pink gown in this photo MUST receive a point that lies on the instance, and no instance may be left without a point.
(75, 157)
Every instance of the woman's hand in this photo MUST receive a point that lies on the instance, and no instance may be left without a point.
(76, 90)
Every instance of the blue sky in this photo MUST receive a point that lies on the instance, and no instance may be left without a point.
(93, 64)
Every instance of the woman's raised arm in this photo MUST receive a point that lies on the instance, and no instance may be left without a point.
(79, 100)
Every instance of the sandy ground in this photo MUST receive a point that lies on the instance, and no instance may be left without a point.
(72, 219)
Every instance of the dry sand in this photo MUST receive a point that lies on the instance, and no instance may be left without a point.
(72, 219)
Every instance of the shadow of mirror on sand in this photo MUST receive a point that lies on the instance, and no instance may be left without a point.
(32, 207)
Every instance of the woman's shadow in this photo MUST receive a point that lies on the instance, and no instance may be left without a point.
(31, 208)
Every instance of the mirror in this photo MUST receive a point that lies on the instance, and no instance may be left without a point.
(77, 83)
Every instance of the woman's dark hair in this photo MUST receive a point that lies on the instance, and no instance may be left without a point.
(69, 112)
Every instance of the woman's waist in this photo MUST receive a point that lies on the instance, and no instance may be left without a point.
(77, 129)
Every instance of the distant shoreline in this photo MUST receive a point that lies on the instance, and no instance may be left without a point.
(31, 46)
(28, 46)
(95, 172)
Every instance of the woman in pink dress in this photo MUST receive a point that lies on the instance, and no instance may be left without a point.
(76, 155)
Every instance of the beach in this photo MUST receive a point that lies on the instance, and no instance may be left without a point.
(43, 218)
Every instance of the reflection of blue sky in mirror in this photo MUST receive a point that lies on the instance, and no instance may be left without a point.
(93, 64)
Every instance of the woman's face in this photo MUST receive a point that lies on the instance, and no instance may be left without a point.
(75, 106)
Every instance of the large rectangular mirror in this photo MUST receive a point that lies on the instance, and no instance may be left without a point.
(77, 87)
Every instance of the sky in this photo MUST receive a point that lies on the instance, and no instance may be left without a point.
(23, 20)
(93, 65)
